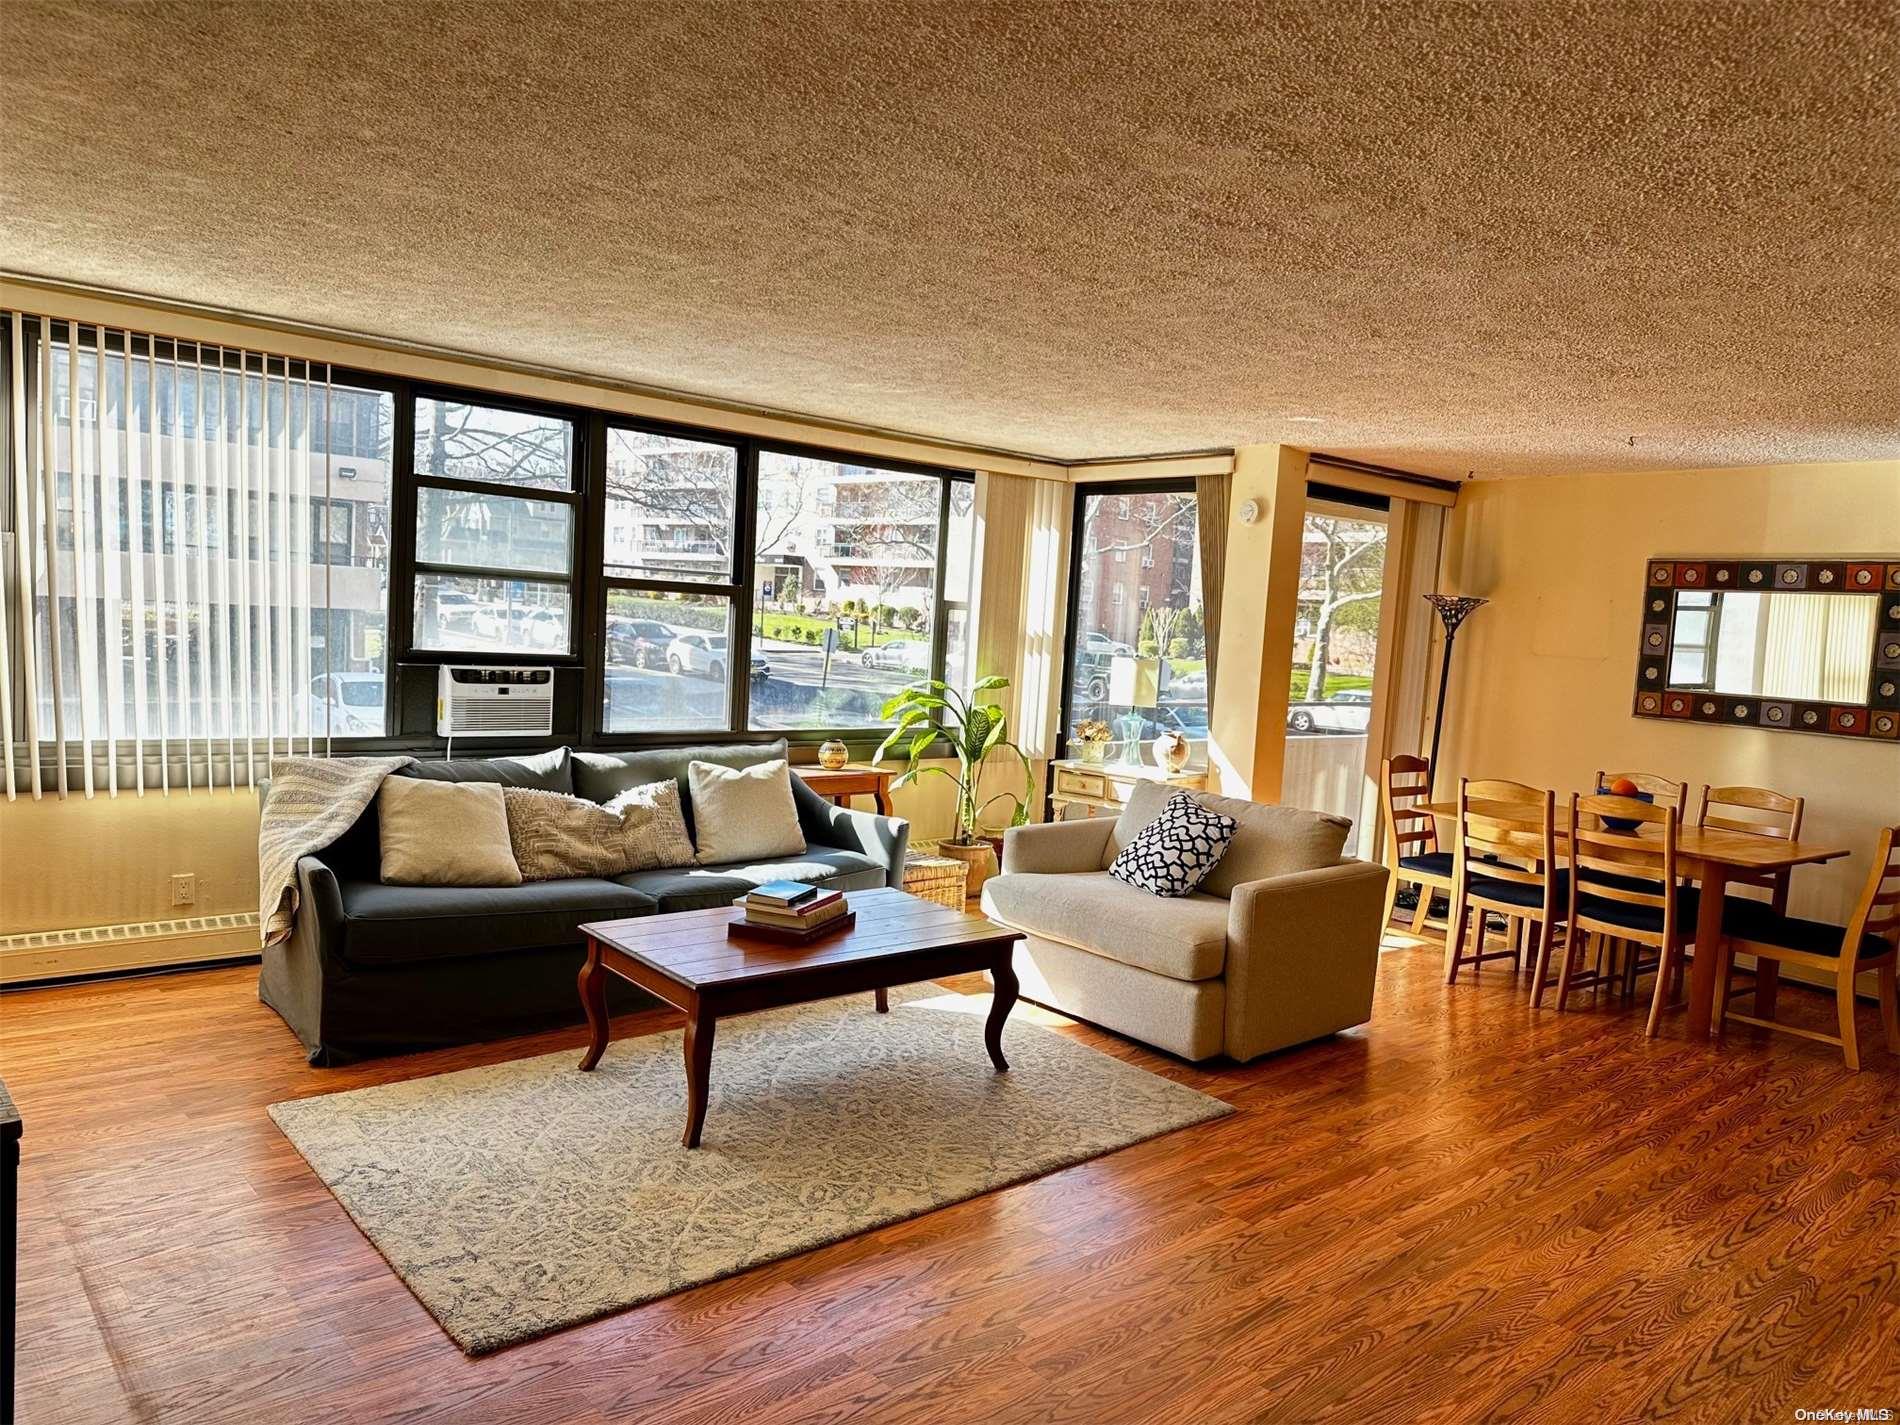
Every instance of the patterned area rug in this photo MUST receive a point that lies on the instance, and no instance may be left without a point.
(523, 1197)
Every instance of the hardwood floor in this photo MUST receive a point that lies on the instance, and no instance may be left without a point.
(1469, 1211)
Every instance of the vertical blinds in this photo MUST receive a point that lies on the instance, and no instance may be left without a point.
(159, 599)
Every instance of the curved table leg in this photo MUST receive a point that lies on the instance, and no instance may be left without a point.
(593, 986)
(1001, 1002)
(699, 1044)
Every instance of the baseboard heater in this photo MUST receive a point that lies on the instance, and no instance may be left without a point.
(39, 955)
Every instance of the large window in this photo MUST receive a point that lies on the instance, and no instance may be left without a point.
(494, 566)
(671, 575)
(197, 583)
(1138, 642)
(844, 589)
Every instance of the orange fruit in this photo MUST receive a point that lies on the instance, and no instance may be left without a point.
(1623, 787)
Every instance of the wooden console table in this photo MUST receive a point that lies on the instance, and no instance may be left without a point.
(838, 787)
(1104, 786)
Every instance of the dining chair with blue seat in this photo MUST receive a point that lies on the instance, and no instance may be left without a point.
(1623, 887)
(1411, 836)
(1869, 941)
(1505, 862)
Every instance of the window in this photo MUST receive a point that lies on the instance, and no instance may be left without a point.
(493, 565)
(212, 591)
(1138, 647)
(669, 565)
(845, 568)
(1693, 639)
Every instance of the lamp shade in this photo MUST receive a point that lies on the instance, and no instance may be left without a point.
(1454, 609)
(1134, 682)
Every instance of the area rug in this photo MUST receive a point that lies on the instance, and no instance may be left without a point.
(523, 1197)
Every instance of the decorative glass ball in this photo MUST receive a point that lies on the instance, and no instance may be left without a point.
(833, 754)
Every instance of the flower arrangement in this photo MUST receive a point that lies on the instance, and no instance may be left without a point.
(1092, 737)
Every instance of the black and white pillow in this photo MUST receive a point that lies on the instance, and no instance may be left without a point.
(1173, 853)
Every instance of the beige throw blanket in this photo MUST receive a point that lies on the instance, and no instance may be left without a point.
(312, 801)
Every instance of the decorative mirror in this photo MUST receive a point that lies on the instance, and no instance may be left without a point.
(1792, 646)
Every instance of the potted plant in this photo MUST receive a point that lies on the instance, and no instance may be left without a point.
(931, 710)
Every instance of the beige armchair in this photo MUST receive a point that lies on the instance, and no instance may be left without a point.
(1278, 946)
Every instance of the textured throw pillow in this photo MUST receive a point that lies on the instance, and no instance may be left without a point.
(744, 813)
(1174, 852)
(445, 834)
(555, 836)
(654, 826)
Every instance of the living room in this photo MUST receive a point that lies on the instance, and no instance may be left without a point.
(892, 711)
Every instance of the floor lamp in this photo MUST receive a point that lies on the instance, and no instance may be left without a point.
(1453, 609)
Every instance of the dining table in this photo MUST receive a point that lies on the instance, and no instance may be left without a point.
(1711, 857)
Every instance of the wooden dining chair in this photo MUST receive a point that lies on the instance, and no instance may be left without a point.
(1665, 791)
(1504, 861)
(1634, 901)
(1869, 941)
(1754, 811)
(1411, 836)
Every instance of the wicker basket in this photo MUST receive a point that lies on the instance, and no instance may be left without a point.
(936, 878)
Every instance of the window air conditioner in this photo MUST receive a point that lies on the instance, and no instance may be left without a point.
(493, 702)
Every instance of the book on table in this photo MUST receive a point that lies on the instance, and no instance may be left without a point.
(782, 893)
(816, 911)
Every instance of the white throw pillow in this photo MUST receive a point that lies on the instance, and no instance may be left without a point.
(445, 834)
(744, 813)
(1174, 852)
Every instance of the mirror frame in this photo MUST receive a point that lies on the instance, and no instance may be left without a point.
(1669, 575)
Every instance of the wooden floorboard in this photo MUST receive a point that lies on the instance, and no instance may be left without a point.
(1466, 1211)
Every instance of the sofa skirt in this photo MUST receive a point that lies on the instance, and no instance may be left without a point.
(1183, 1017)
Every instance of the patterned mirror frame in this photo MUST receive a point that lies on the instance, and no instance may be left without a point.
(1666, 577)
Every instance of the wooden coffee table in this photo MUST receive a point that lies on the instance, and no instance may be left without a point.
(687, 960)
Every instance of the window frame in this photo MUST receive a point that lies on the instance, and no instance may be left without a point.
(410, 482)
(404, 664)
(1078, 556)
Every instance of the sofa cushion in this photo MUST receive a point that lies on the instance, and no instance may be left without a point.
(744, 813)
(1184, 938)
(397, 925)
(701, 887)
(1268, 840)
(445, 833)
(544, 771)
(599, 776)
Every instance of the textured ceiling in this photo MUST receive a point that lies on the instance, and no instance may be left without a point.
(1491, 236)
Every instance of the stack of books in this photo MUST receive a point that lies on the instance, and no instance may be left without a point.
(791, 911)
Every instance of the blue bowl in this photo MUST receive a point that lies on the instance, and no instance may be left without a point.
(1623, 823)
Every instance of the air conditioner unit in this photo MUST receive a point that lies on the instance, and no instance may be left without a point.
(494, 702)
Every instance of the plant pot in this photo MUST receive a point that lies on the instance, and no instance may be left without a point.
(1094, 753)
(980, 860)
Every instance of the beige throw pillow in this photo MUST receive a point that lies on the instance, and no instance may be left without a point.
(445, 834)
(744, 813)
(556, 836)
(655, 826)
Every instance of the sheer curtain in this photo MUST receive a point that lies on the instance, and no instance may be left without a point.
(158, 608)
(1022, 551)
(1415, 536)
(1212, 496)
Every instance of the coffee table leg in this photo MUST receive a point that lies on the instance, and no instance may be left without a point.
(1001, 1002)
(699, 1044)
(883, 1000)
(593, 983)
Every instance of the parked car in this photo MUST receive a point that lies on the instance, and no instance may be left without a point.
(1343, 712)
(703, 653)
(902, 653)
(1094, 652)
(1100, 645)
(521, 627)
(639, 642)
(1188, 687)
(354, 702)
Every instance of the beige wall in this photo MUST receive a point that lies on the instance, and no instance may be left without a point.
(1545, 674)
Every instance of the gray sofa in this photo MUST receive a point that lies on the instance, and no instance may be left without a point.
(375, 969)
(1278, 946)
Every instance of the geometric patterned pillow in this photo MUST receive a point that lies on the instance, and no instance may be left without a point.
(1173, 853)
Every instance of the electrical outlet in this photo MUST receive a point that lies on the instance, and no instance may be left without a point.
(184, 888)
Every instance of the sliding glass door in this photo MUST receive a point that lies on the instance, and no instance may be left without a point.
(1336, 652)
